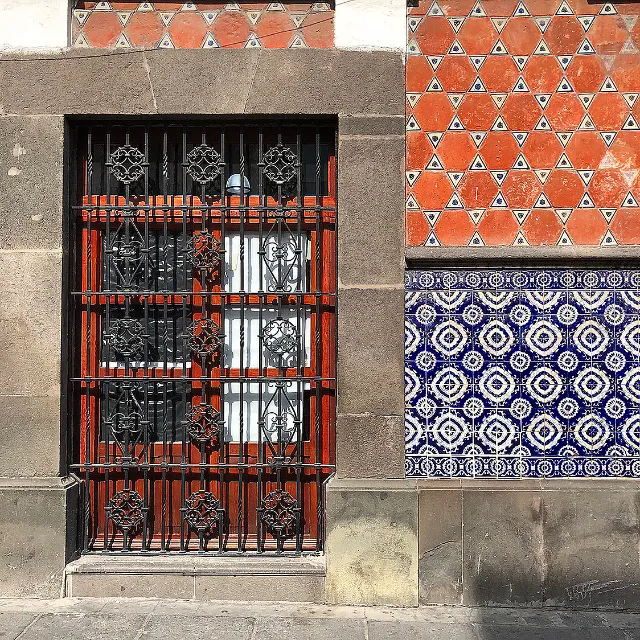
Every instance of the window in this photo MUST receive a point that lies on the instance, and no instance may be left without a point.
(204, 342)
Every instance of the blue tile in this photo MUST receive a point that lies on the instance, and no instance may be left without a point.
(522, 373)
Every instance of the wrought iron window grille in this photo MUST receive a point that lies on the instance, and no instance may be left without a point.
(202, 350)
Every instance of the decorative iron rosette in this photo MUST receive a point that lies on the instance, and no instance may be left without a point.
(280, 337)
(125, 336)
(203, 164)
(280, 513)
(280, 164)
(204, 337)
(203, 250)
(204, 423)
(127, 164)
(126, 509)
(202, 511)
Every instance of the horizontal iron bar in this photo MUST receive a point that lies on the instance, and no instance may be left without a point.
(228, 379)
(179, 465)
(148, 293)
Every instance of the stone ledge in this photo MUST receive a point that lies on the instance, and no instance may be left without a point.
(529, 484)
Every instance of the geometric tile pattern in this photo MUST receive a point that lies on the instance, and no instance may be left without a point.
(195, 25)
(522, 373)
(523, 123)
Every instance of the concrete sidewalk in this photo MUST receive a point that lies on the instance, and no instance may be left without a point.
(140, 619)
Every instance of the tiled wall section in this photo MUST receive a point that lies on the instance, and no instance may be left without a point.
(195, 25)
(522, 373)
(522, 123)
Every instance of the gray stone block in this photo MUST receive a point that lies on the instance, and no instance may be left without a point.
(220, 628)
(372, 542)
(114, 585)
(13, 624)
(503, 548)
(378, 125)
(309, 629)
(289, 588)
(82, 627)
(588, 536)
(370, 204)
(370, 351)
(421, 631)
(37, 529)
(440, 547)
(228, 82)
(31, 191)
(30, 316)
(370, 446)
(25, 421)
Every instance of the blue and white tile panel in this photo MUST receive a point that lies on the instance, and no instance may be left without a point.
(515, 373)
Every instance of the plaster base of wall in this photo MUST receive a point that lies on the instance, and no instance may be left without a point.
(534, 543)
(38, 533)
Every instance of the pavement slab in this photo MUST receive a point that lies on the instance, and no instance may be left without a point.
(152, 619)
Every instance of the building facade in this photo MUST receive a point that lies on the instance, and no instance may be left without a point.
(220, 219)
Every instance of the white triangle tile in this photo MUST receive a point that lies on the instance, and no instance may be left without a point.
(456, 49)
(499, 49)
(608, 214)
(542, 125)
(476, 240)
(435, 10)
(521, 11)
(499, 202)
(412, 203)
(608, 62)
(232, 6)
(478, 137)
(414, 23)
(455, 177)
(455, 99)
(543, 23)
(298, 43)
(105, 6)
(189, 6)
(630, 124)
(124, 17)
(209, 41)
(456, 124)
(629, 22)
(520, 61)
(254, 16)
(630, 99)
(276, 6)
(455, 202)
(564, 9)
(542, 202)
(166, 17)
(434, 85)
(542, 174)
(586, 124)
(520, 86)
(521, 214)
(122, 42)
(542, 49)
(80, 16)
(629, 201)
(629, 47)
(413, 49)
(412, 124)
(412, 176)
(608, 9)
(499, 177)
(499, 99)
(564, 240)
(520, 137)
(585, 47)
(586, 22)
(608, 85)
(435, 61)
(586, 175)
(563, 214)
(586, 99)
(435, 137)
(499, 23)
(253, 42)
(499, 125)
(166, 42)
(564, 137)
(81, 42)
(477, 164)
(630, 176)
(432, 240)
(432, 216)
(564, 61)
(586, 202)
(520, 240)
(477, 61)
(542, 99)
(478, 10)
(520, 163)
(564, 162)
(456, 23)
(564, 86)
(608, 137)
(608, 162)
(476, 215)
(434, 164)
(413, 98)
(146, 6)
(608, 240)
